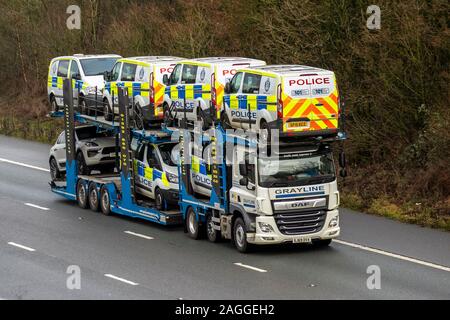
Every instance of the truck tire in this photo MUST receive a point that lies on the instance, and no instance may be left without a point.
(105, 201)
(159, 200)
(94, 202)
(192, 225)
(322, 243)
(54, 170)
(212, 234)
(240, 236)
(82, 194)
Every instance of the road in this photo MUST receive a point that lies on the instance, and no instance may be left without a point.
(41, 235)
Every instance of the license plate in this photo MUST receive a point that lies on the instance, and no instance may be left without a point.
(298, 124)
(301, 240)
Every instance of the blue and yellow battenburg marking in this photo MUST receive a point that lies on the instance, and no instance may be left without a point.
(150, 174)
(254, 102)
(189, 91)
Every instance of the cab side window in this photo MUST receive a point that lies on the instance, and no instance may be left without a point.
(251, 83)
(74, 71)
(115, 72)
(235, 83)
(175, 75)
(63, 68)
(189, 74)
(152, 158)
(128, 72)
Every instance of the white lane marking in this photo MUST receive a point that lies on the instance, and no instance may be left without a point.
(139, 235)
(249, 267)
(121, 279)
(21, 246)
(393, 255)
(24, 165)
(36, 206)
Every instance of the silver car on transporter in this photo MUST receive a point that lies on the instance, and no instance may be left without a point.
(95, 150)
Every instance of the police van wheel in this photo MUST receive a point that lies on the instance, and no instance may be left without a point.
(107, 113)
(105, 201)
(93, 197)
(159, 200)
(54, 105)
(240, 236)
(192, 225)
(82, 194)
(212, 234)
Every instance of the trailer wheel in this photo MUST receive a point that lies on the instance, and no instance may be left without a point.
(213, 234)
(240, 236)
(82, 194)
(105, 201)
(192, 224)
(93, 197)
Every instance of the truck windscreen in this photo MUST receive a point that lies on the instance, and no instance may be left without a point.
(97, 66)
(296, 170)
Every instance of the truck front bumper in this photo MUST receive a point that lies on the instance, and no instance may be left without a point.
(330, 230)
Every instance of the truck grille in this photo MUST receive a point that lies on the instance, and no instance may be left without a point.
(296, 223)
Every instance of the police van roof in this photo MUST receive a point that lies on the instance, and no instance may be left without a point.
(90, 56)
(227, 60)
(155, 59)
(289, 69)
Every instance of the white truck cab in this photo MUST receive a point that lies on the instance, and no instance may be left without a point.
(87, 73)
(195, 88)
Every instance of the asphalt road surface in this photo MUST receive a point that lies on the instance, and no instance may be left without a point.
(42, 235)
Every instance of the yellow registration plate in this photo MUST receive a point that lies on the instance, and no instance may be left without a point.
(298, 124)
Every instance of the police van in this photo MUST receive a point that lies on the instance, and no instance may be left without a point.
(143, 76)
(87, 74)
(195, 88)
(294, 99)
(156, 172)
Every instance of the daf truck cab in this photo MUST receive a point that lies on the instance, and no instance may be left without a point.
(195, 88)
(295, 100)
(289, 196)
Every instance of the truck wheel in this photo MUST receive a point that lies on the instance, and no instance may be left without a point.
(83, 169)
(93, 197)
(322, 243)
(53, 104)
(54, 170)
(192, 225)
(82, 194)
(105, 201)
(240, 236)
(213, 234)
(159, 200)
(107, 112)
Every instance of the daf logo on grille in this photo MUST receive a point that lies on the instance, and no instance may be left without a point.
(300, 204)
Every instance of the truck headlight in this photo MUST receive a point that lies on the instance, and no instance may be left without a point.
(334, 222)
(265, 227)
(173, 178)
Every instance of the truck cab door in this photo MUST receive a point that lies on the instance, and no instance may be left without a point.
(232, 100)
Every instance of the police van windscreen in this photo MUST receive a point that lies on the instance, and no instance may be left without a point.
(169, 153)
(295, 170)
(97, 66)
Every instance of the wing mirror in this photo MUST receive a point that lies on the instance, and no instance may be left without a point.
(342, 161)
(243, 181)
(227, 88)
(166, 79)
(343, 172)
